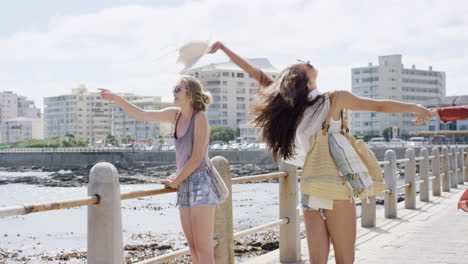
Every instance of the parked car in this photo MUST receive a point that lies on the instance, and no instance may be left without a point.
(377, 139)
(216, 146)
(262, 146)
(234, 146)
(396, 140)
(415, 141)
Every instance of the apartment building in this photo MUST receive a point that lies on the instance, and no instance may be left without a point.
(8, 105)
(21, 128)
(124, 124)
(391, 80)
(83, 114)
(233, 92)
(20, 119)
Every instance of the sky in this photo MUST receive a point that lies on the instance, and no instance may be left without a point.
(48, 47)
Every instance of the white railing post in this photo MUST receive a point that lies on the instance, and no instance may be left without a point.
(461, 165)
(368, 212)
(105, 243)
(436, 186)
(445, 170)
(390, 178)
(465, 157)
(410, 177)
(453, 167)
(290, 233)
(424, 175)
(223, 229)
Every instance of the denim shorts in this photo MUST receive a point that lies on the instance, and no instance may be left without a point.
(197, 189)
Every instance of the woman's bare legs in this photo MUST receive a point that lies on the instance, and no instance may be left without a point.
(202, 223)
(341, 225)
(186, 221)
(318, 240)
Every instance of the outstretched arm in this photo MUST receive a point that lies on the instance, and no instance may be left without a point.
(258, 74)
(347, 100)
(164, 115)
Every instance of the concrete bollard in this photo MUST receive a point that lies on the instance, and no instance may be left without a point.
(445, 170)
(453, 167)
(391, 182)
(424, 174)
(436, 186)
(290, 233)
(223, 229)
(410, 177)
(368, 212)
(105, 243)
(461, 165)
(465, 157)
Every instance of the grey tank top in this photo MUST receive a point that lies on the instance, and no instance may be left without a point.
(184, 147)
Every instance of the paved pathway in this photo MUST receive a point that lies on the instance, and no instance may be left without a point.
(435, 232)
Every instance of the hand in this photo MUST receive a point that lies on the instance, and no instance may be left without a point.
(422, 115)
(169, 182)
(434, 112)
(106, 94)
(215, 47)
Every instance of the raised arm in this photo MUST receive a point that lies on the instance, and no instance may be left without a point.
(165, 115)
(258, 74)
(347, 100)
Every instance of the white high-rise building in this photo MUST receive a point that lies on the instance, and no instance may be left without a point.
(8, 105)
(233, 91)
(83, 114)
(124, 124)
(391, 80)
(27, 108)
(19, 118)
(21, 128)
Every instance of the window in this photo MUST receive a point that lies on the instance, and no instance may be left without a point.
(241, 107)
(213, 82)
(225, 74)
(240, 83)
(240, 75)
(240, 91)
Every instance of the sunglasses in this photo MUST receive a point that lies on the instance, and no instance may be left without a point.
(178, 88)
(307, 63)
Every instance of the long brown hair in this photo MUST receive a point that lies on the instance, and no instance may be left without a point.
(279, 109)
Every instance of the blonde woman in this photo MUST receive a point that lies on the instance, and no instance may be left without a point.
(196, 194)
(289, 111)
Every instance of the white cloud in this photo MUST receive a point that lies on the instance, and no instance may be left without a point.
(132, 48)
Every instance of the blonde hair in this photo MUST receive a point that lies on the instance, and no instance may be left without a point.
(200, 98)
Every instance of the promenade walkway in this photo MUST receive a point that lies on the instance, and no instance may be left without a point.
(435, 232)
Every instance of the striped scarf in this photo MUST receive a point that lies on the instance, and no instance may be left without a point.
(350, 165)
